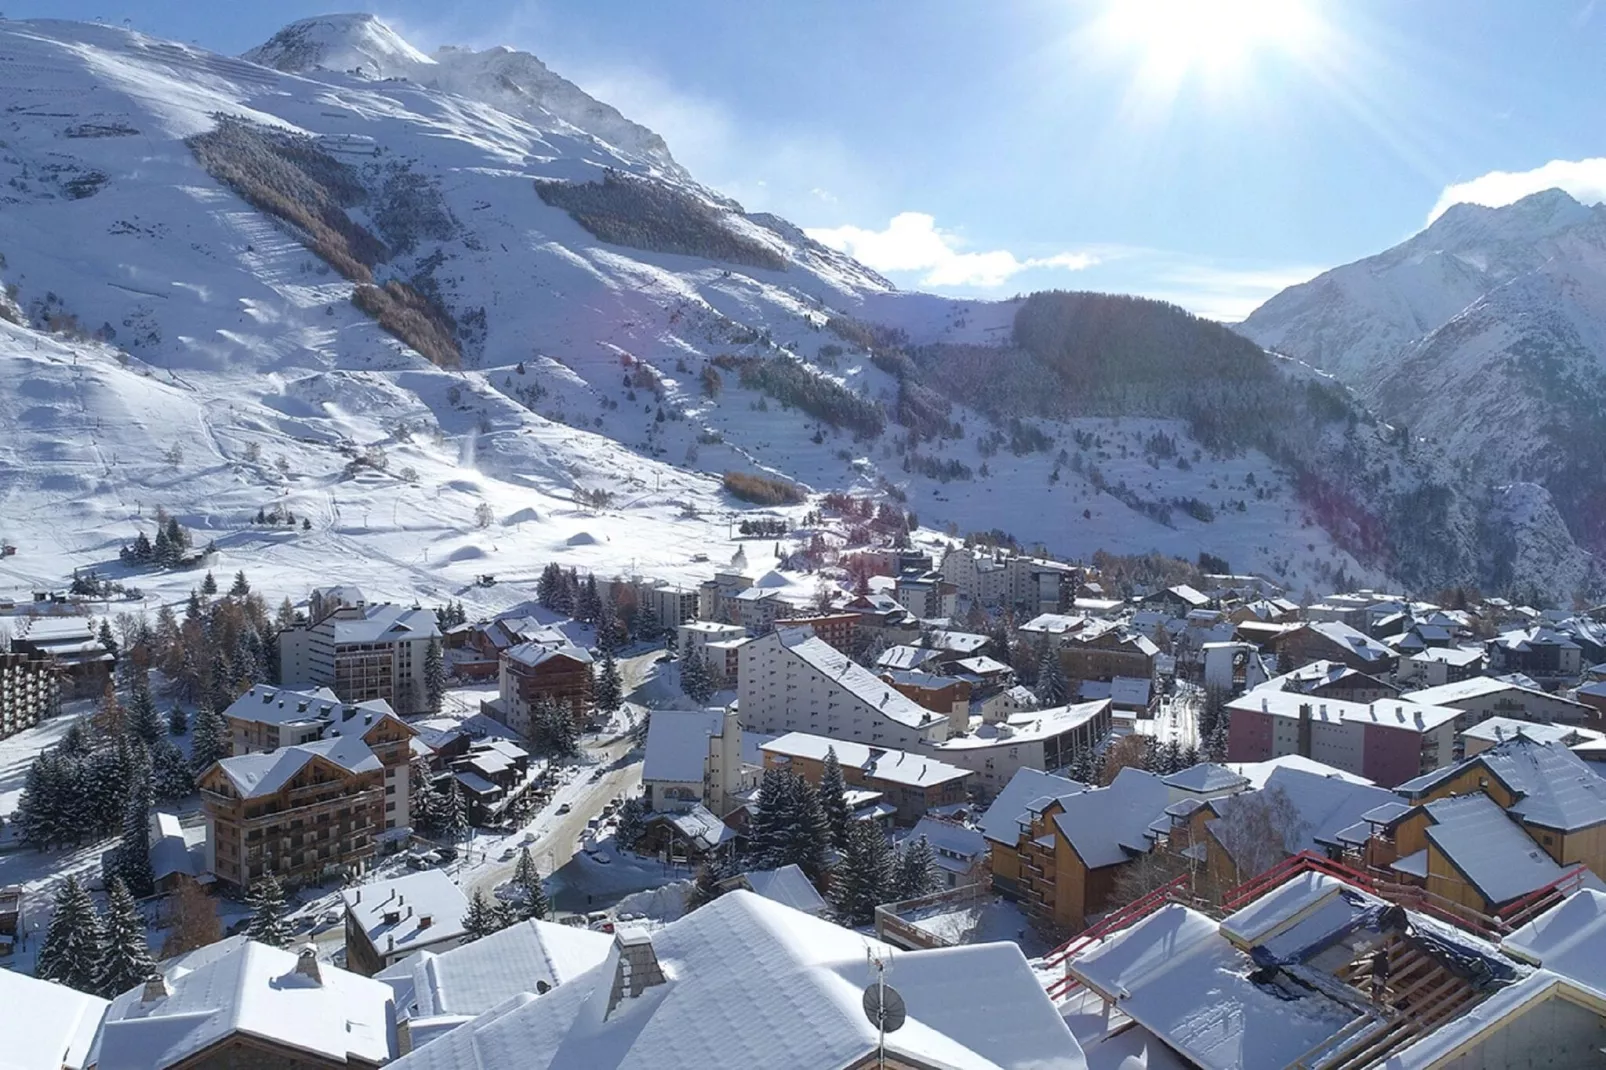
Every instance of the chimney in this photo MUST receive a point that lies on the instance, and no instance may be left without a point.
(390, 943)
(1305, 730)
(636, 968)
(155, 989)
(425, 921)
(307, 964)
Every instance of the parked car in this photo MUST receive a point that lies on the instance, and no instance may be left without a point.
(423, 859)
(565, 808)
(510, 854)
(447, 853)
(597, 775)
(528, 838)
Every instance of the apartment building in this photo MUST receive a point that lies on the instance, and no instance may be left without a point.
(1387, 742)
(386, 921)
(81, 662)
(694, 757)
(303, 808)
(719, 646)
(554, 671)
(793, 681)
(361, 651)
(912, 782)
(30, 691)
(1031, 739)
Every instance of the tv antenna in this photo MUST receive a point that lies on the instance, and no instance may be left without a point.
(883, 1006)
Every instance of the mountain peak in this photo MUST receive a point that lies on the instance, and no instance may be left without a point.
(357, 42)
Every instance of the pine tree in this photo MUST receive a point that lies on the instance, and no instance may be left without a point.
(426, 802)
(706, 885)
(1052, 687)
(177, 542)
(532, 900)
(1216, 745)
(127, 961)
(810, 848)
(632, 823)
(209, 584)
(133, 862)
(178, 722)
(773, 823)
(74, 942)
(694, 678)
(171, 776)
(546, 588)
(833, 797)
(37, 810)
(917, 870)
(587, 602)
(241, 586)
(143, 719)
(1170, 759)
(481, 919)
(434, 675)
(211, 740)
(161, 552)
(106, 638)
(454, 813)
(193, 610)
(864, 878)
(608, 692)
(286, 615)
(220, 679)
(267, 905)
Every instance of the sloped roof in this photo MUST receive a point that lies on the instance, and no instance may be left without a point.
(1327, 806)
(1487, 848)
(1001, 822)
(787, 885)
(251, 989)
(677, 744)
(478, 976)
(884, 763)
(750, 983)
(541, 652)
(1557, 789)
(52, 1026)
(1481, 687)
(1205, 777)
(1026, 726)
(1569, 939)
(429, 893)
(1357, 642)
(384, 622)
(1258, 773)
(1109, 825)
(854, 679)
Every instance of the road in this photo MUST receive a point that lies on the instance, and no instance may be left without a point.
(557, 838)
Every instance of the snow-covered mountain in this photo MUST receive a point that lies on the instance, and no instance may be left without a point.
(597, 321)
(1485, 334)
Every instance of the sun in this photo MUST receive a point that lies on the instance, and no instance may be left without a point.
(1175, 40)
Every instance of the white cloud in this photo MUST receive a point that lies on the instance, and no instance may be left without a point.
(1583, 179)
(912, 242)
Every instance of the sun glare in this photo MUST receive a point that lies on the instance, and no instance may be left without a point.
(1215, 39)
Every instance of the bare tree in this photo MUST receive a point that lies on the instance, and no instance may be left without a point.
(1130, 751)
(193, 920)
(1259, 829)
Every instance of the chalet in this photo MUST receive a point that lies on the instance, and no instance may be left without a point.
(947, 695)
(1179, 599)
(1492, 730)
(1437, 666)
(787, 885)
(686, 836)
(1335, 641)
(1004, 822)
(1548, 656)
(1233, 666)
(554, 671)
(961, 852)
(1106, 651)
(479, 647)
(1335, 679)
(386, 921)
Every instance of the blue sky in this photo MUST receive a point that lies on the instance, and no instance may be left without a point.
(1207, 152)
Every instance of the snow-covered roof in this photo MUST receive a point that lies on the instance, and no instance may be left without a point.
(677, 744)
(1124, 691)
(1554, 787)
(1002, 820)
(883, 763)
(539, 653)
(283, 706)
(1487, 848)
(384, 623)
(475, 977)
(1388, 713)
(1176, 975)
(1498, 729)
(1258, 773)
(1206, 777)
(948, 836)
(1482, 687)
(263, 773)
(905, 657)
(254, 990)
(699, 825)
(1109, 825)
(787, 885)
(176, 848)
(749, 982)
(1327, 806)
(1357, 642)
(1054, 624)
(957, 642)
(1027, 726)
(856, 680)
(1523, 639)
(53, 1026)
(55, 629)
(1569, 939)
(393, 913)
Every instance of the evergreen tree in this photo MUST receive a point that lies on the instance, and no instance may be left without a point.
(632, 822)
(143, 719)
(917, 870)
(554, 729)
(193, 610)
(864, 878)
(1216, 745)
(178, 722)
(434, 675)
(133, 862)
(286, 615)
(211, 740)
(694, 678)
(171, 776)
(74, 942)
(241, 587)
(127, 961)
(75, 741)
(706, 885)
(177, 542)
(547, 587)
(209, 585)
(1170, 759)
(608, 692)
(426, 802)
(161, 552)
(481, 919)
(454, 813)
(833, 797)
(106, 638)
(267, 905)
(1052, 687)
(587, 602)
(532, 900)
(810, 848)
(220, 681)
(36, 816)
(773, 823)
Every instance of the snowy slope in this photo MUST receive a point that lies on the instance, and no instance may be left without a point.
(216, 332)
(1484, 335)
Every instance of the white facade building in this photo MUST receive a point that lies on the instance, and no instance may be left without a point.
(362, 652)
(693, 757)
(793, 681)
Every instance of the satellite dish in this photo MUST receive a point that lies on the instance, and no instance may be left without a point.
(884, 1007)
